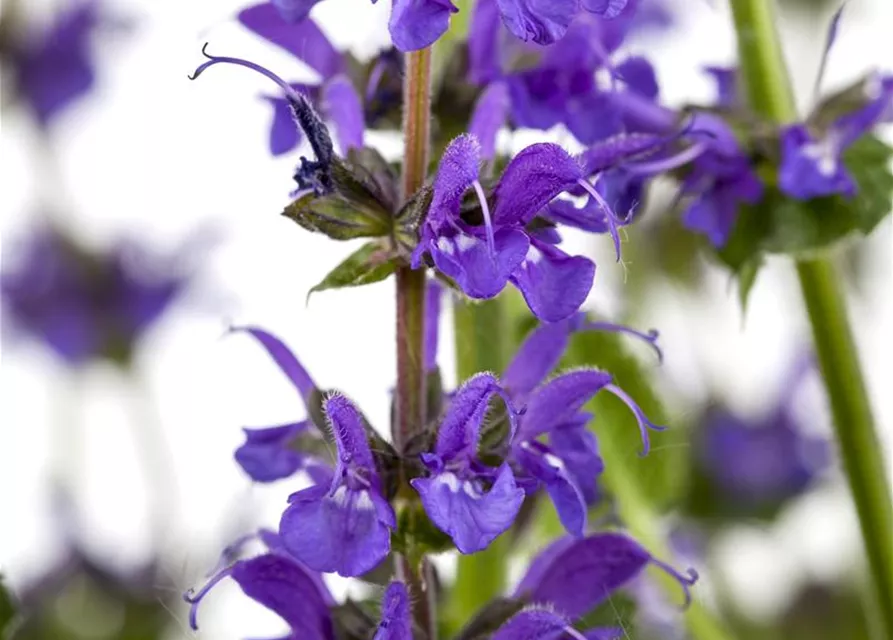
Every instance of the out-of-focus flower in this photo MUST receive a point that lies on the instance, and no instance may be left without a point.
(762, 461)
(85, 305)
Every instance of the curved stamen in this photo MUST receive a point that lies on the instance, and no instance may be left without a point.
(230, 553)
(610, 216)
(573, 633)
(667, 164)
(685, 581)
(650, 337)
(375, 77)
(212, 60)
(644, 423)
(488, 223)
(194, 598)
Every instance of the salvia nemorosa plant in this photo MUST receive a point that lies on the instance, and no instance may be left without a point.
(456, 218)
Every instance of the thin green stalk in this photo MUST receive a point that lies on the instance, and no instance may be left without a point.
(410, 400)
(483, 343)
(770, 95)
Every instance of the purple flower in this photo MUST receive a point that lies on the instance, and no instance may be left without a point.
(270, 454)
(560, 87)
(86, 305)
(469, 501)
(726, 79)
(763, 461)
(811, 164)
(575, 575)
(482, 258)
(297, 594)
(343, 527)
(54, 68)
(552, 447)
(335, 96)
(544, 624)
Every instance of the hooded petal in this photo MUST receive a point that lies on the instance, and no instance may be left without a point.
(458, 169)
(480, 273)
(533, 624)
(396, 623)
(542, 21)
(812, 168)
(341, 104)
(488, 117)
(415, 24)
(531, 180)
(350, 436)
(472, 517)
(581, 574)
(457, 436)
(284, 587)
(553, 283)
(275, 22)
(346, 531)
(284, 358)
(537, 356)
(266, 455)
(558, 401)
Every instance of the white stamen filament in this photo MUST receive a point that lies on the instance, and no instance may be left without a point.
(488, 223)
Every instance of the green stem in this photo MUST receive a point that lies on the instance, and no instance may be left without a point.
(410, 392)
(483, 343)
(770, 95)
(860, 449)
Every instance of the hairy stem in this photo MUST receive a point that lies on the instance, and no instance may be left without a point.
(769, 92)
(410, 393)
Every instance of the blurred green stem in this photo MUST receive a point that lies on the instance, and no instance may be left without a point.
(769, 91)
(483, 343)
(641, 519)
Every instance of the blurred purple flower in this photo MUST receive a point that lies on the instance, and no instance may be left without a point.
(85, 305)
(811, 163)
(767, 460)
(55, 67)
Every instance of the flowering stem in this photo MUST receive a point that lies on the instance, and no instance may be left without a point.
(770, 95)
(411, 283)
(410, 399)
(482, 344)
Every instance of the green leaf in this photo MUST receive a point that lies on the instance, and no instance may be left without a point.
(781, 225)
(370, 263)
(662, 473)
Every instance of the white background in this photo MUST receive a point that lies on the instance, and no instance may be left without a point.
(154, 155)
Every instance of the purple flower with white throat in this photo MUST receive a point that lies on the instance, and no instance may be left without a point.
(483, 255)
(469, 501)
(344, 527)
(811, 162)
(334, 96)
